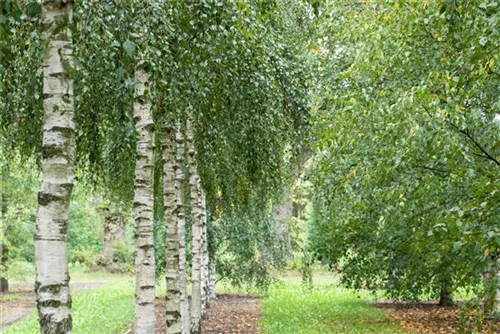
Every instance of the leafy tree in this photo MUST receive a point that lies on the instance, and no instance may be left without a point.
(406, 171)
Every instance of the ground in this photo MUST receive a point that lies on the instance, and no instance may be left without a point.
(429, 318)
(19, 302)
(227, 314)
(287, 308)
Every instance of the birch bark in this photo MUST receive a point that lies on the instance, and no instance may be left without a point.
(58, 156)
(181, 226)
(212, 278)
(204, 267)
(197, 261)
(143, 207)
(170, 167)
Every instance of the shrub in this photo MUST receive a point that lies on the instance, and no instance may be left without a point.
(85, 257)
(122, 253)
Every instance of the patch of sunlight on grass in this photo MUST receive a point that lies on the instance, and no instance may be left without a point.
(106, 309)
(327, 308)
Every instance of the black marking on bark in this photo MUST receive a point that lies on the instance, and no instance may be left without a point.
(63, 225)
(45, 198)
(146, 287)
(50, 151)
(49, 326)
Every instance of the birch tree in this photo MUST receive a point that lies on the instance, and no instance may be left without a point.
(196, 217)
(181, 228)
(143, 206)
(212, 278)
(58, 156)
(170, 168)
(204, 251)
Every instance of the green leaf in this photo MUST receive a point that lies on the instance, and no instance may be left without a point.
(34, 8)
(129, 48)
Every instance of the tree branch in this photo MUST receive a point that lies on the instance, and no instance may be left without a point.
(467, 133)
(442, 171)
(485, 154)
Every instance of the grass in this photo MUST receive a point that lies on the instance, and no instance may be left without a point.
(327, 308)
(287, 307)
(106, 309)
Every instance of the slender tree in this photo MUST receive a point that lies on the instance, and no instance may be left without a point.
(181, 228)
(143, 206)
(197, 251)
(170, 167)
(212, 278)
(204, 267)
(58, 156)
(4, 206)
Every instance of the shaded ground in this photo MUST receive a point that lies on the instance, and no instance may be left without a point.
(228, 314)
(232, 314)
(429, 318)
(20, 301)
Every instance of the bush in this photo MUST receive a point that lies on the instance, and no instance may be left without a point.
(21, 271)
(85, 257)
(122, 253)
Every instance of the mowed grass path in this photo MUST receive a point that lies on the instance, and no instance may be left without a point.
(327, 308)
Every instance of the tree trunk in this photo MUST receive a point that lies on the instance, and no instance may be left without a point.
(143, 208)
(58, 156)
(181, 229)
(108, 245)
(492, 287)
(114, 232)
(446, 295)
(197, 261)
(212, 278)
(4, 252)
(204, 267)
(172, 298)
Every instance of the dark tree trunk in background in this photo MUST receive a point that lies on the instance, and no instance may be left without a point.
(446, 295)
(114, 232)
(4, 284)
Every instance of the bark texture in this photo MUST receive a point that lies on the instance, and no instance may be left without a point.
(172, 298)
(4, 251)
(204, 268)
(492, 286)
(181, 228)
(197, 247)
(58, 156)
(446, 295)
(212, 278)
(114, 232)
(143, 207)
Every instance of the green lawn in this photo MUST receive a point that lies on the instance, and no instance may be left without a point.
(106, 309)
(327, 308)
(288, 308)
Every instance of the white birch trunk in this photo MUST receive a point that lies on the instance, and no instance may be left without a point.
(58, 156)
(204, 268)
(143, 208)
(212, 278)
(170, 168)
(197, 250)
(181, 226)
